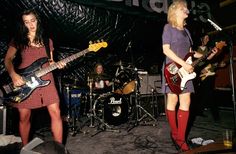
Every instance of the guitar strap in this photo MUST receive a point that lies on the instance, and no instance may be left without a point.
(189, 36)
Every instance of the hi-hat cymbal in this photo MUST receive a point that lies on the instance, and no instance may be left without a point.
(120, 63)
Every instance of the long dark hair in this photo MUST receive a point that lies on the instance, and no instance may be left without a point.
(21, 39)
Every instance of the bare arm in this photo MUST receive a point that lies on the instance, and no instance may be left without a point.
(10, 55)
(197, 54)
(60, 65)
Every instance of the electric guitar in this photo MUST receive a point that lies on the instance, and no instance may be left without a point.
(176, 76)
(207, 71)
(31, 74)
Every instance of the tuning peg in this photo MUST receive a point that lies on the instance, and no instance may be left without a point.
(98, 41)
(90, 42)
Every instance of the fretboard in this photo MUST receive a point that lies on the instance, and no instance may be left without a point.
(54, 66)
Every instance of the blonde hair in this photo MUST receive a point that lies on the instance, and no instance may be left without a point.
(171, 15)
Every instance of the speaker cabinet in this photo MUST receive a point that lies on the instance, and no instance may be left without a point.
(148, 83)
(3, 119)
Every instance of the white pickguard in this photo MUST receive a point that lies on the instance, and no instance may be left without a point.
(184, 75)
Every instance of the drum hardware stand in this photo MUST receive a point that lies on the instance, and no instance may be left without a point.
(103, 126)
(154, 103)
(72, 114)
(90, 115)
(138, 108)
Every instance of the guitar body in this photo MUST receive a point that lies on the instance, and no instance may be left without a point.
(17, 94)
(176, 76)
(207, 72)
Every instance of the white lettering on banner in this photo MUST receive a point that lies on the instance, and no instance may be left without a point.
(164, 5)
(149, 5)
(199, 11)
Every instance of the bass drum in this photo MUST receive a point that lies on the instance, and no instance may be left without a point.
(113, 106)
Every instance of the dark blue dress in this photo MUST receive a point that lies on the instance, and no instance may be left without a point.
(180, 42)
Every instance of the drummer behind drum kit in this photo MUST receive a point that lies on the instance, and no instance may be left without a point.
(103, 107)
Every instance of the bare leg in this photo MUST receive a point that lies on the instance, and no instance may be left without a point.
(24, 125)
(56, 121)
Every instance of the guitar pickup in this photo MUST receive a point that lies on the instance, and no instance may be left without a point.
(172, 68)
(174, 79)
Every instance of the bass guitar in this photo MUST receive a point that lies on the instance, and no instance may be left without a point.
(31, 75)
(176, 76)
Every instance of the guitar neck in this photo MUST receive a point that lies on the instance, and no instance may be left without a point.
(219, 46)
(204, 57)
(54, 66)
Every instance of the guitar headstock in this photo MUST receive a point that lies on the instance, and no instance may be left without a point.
(220, 44)
(96, 46)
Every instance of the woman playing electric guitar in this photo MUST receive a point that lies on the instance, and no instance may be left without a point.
(176, 45)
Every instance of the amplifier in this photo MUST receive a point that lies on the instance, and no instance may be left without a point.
(148, 83)
(3, 119)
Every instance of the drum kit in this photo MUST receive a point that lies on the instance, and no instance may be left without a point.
(106, 106)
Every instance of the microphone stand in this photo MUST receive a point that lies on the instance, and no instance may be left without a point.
(232, 80)
(231, 71)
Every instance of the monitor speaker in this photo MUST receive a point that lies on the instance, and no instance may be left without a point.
(28, 148)
(38, 146)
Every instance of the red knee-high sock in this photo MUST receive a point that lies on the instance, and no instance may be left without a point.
(182, 117)
(171, 116)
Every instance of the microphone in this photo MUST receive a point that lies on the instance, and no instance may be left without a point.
(214, 25)
(128, 46)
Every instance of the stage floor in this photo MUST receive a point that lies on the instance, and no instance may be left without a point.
(147, 137)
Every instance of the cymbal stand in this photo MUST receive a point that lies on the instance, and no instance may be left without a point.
(71, 113)
(68, 103)
(90, 82)
(103, 126)
(138, 108)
